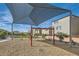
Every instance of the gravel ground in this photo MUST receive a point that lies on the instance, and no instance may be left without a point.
(19, 47)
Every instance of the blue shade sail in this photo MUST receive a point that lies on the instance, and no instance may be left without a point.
(34, 13)
(39, 15)
(20, 13)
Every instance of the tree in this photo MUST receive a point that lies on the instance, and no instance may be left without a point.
(3, 33)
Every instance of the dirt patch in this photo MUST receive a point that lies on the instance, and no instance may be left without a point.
(18, 47)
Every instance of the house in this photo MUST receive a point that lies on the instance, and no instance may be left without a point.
(63, 25)
(40, 31)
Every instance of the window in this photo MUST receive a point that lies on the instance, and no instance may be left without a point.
(55, 22)
(59, 28)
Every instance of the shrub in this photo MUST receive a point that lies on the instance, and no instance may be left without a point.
(43, 36)
(61, 35)
(36, 35)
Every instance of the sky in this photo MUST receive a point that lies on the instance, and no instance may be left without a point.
(6, 17)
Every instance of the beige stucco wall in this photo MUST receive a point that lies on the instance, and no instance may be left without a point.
(75, 25)
(65, 25)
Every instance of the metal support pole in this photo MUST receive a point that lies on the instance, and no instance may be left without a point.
(40, 31)
(70, 30)
(53, 35)
(12, 30)
(50, 33)
(31, 37)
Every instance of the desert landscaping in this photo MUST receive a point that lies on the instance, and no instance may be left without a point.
(21, 47)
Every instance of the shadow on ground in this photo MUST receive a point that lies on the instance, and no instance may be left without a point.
(64, 45)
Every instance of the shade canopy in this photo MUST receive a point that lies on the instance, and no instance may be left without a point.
(33, 13)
